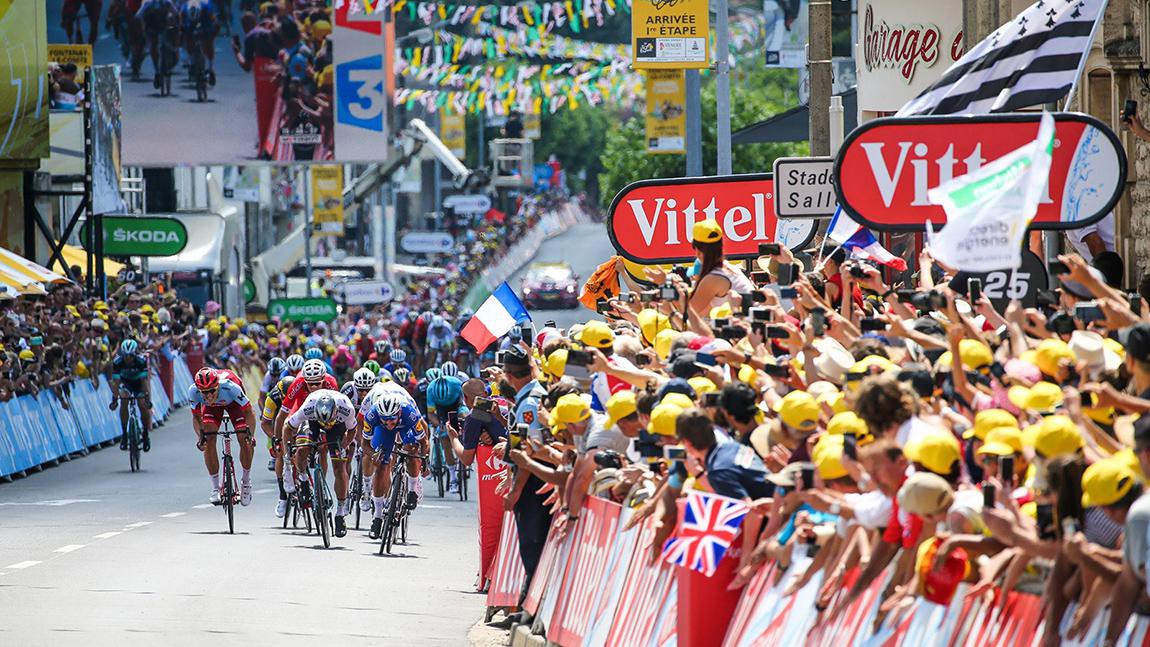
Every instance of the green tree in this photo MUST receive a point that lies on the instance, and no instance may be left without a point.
(755, 96)
(576, 138)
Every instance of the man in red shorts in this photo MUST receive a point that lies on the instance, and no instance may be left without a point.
(214, 394)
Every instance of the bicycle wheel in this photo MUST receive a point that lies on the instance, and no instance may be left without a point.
(230, 493)
(133, 444)
(439, 467)
(290, 513)
(464, 475)
(403, 528)
(396, 501)
(356, 494)
(319, 507)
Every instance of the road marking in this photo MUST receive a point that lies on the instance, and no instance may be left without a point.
(31, 562)
(54, 503)
(106, 535)
(432, 506)
(69, 548)
(173, 515)
(138, 524)
(266, 490)
(203, 506)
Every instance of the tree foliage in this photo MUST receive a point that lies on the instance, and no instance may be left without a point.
(755, 95)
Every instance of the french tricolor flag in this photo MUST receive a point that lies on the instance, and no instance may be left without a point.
(498, 315)
(860, 242)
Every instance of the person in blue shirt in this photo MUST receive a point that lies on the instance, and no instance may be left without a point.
(391, 416)
(130, 379)
(445, 403)
(733, 469)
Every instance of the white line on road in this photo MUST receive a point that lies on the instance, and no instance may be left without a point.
(31, 562)
(432, 506)
(69, 548)
(106, 535)
(266, 490)
(173, 515)
(138, 524)
(202, 506)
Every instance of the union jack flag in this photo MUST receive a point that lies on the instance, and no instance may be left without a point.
(708, 523)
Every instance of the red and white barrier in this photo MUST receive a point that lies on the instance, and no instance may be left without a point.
(507, 574)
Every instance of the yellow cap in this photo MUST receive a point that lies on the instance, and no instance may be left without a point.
(214, 327)
(707, 231)
(619, 406)
(747, 374)
(1043, 397)
(571, 408)
(974, 353)
(27, 354)
(651, 323)
(274, 341)
(1002, 441)
(847, 422)
(597, 334)
(147, 308)
(663, 418)
(99, 305)
(702, 385)
(1115, 346)
(988, 419)
(722, 311)
(1130, 459)
(663, 342)
(678, 399)
(798, 410)
(1106, 482)
(271, 328)
(72, 310)
(556, 363)
(1053, 437)
(935, 450)
(827, 455)
(1050, 353)
(837, 401)
(866, 366)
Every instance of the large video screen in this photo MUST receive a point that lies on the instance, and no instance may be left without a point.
(211, 82)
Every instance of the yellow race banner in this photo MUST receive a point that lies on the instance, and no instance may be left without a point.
(666, 117)
(327, 199)
(453, 132)
(668, 34)
(78, 55)
(24, 89)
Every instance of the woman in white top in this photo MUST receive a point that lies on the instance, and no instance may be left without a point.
(717, 282)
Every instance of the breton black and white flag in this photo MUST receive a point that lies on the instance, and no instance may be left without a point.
(1031, 60)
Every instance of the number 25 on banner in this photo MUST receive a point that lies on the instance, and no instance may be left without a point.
(361, 102)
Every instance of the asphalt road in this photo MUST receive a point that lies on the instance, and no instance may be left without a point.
(583, 247)
(178, 130)
(92, 554)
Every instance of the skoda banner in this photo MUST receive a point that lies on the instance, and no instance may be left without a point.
(130, 236)
(305, 309)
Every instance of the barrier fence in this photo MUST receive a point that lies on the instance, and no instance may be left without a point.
(598, 585)
(39, 430)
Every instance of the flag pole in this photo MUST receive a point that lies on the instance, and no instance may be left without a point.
(1085, 55)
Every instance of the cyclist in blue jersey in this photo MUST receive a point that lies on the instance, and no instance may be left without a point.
(130, 377)
(444, 401)
(390, 417)
(200, 25)
(398, 360)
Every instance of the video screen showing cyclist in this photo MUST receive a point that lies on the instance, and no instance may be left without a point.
(200, 25)
(130, 379)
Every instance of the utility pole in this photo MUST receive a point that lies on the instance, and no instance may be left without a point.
(307, 229)
(821, 75)
(694, 118)
(723, 86)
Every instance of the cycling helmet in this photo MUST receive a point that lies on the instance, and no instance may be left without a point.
(425, 317)
(325, 410)
(313, 353)
(437, 321)
(443, 392)
(372, 366)
(402, 375)
(276, 366)
(388, 406)
(398, 356)
(207, 379)
(433, 374)
(286, 382)
(294, 363)
(381, 347)
(314, 371)
(449, 369)
(129, 347)
(384, 375)
(364, 379)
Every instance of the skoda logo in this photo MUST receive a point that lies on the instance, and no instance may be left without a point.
(276, 310)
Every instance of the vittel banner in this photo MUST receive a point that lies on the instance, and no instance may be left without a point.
(904, 46)
(885, 167)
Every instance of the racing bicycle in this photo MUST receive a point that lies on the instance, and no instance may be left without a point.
(135, 429)
(294, 510)
(462, 473)
(395, 517)
(231, 493)
(355, 496)
(318, 499)
(439, 465)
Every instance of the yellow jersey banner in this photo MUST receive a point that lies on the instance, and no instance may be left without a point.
(327, 199)
(666, 111)
(24, 85)
(453, 132)
(669, 34)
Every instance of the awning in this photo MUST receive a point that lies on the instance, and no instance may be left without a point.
(76, 256)
(20, 283)
(205, 240)
(794, 124)
(30, 269)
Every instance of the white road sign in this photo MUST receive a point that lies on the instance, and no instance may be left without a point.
(804, 187)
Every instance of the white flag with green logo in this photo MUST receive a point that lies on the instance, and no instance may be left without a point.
(988, 210)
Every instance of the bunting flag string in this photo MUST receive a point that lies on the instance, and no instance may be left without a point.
(458, 76)
(498, 43)
(525, 13)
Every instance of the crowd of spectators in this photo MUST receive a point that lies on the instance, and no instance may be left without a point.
(917, 434)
